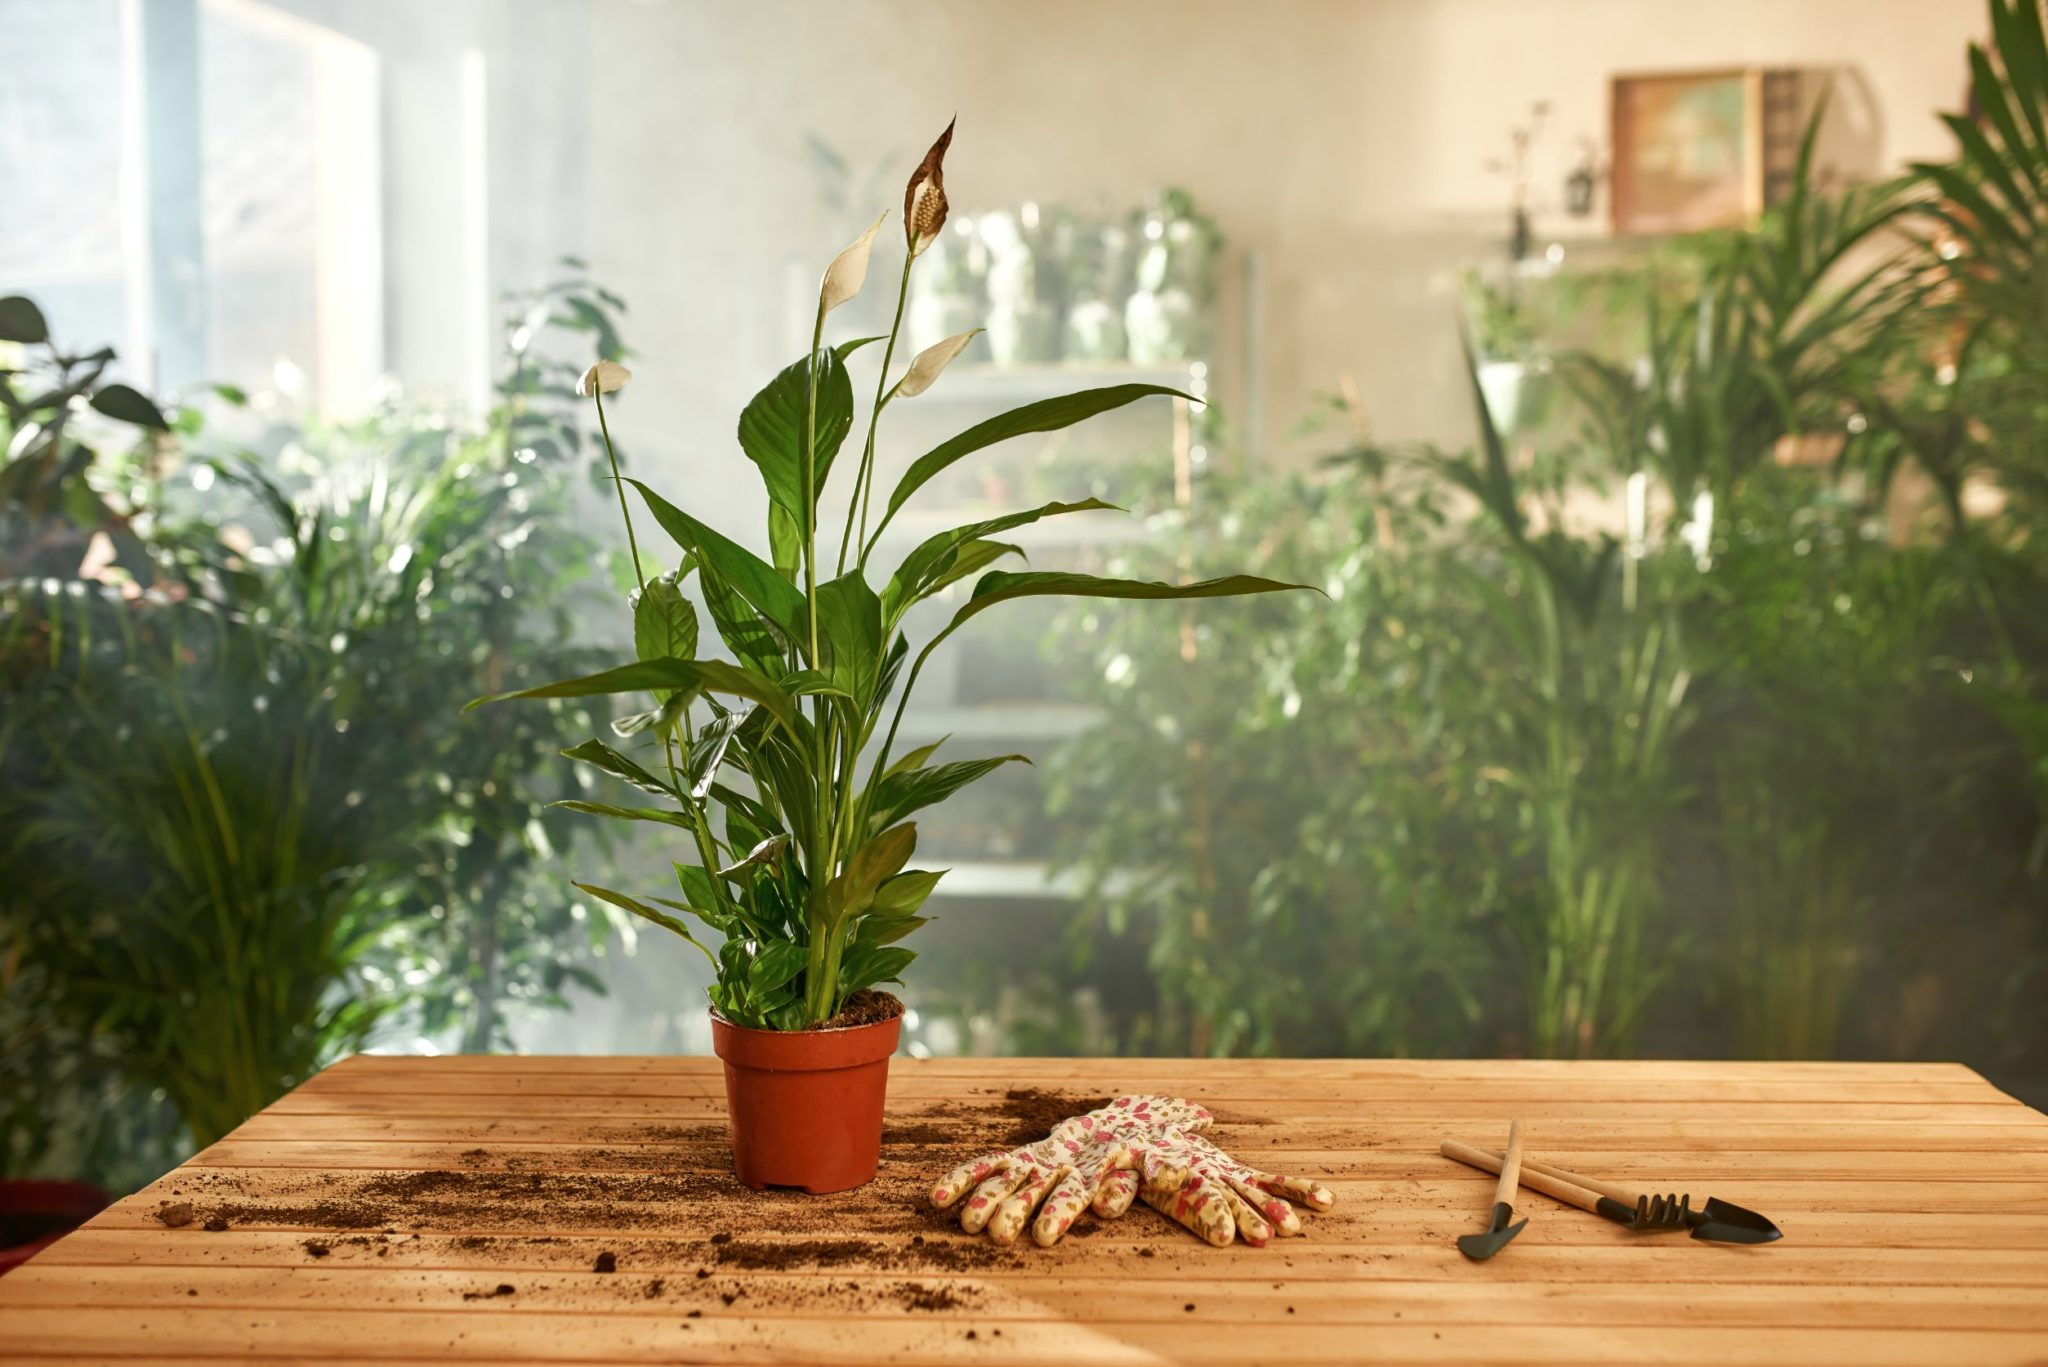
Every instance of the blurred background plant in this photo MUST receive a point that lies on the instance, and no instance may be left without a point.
(1700, 708)
(247, 829)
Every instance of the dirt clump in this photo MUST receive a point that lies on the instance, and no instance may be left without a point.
(865, 1007)
(1033, 1112)
(175, 1215)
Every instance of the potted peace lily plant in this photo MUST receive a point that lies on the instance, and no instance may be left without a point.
(777, 767)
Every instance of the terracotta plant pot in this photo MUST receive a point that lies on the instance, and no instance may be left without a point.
(805, 1105)
(35, 1214)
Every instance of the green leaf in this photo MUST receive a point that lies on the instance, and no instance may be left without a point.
(777, 963)
(1000, 586)
(125, 404)
(900, 794)
(624, 813)
(745, 632)
(882, 858)
(1047, 415)
(664, 622)
(973, 558)
(864, 966)
(886, 930)
(850, 620)
(645, 912)
(707, 751)
(751, 577)
(771, 430)
(695, 882)
(761, 854)
(710, 676)
(673, 705)
(21, 321)
(599, 755)
(906, 892)
(785, 542)
(923, 568)
(916, 758)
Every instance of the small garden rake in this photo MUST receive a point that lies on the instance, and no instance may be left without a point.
(1718, 1222)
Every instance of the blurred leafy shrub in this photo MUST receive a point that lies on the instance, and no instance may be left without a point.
(245, 825)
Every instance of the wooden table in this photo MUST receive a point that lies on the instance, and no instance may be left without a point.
(582, 1210)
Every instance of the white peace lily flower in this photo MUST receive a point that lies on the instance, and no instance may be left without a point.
(606, 377)
(849, 270)
(932, 360)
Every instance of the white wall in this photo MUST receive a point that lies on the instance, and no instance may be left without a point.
(1346, 139)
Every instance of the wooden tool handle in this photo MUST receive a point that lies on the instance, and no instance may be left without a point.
(1510, 1167)
(1608, 1189)
(1529, 1177)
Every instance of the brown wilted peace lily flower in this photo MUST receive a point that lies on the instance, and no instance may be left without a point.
(924, 199)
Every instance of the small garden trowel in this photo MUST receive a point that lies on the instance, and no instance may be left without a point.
(1498, 1232)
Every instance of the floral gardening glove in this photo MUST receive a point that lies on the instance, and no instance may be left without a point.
(1185, 1177)
(1086, 1161)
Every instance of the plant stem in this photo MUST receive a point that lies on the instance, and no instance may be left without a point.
(632, 545)
(864, 478)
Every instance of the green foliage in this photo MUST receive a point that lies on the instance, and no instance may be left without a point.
(1277, 800)
(802, 863)
(1757, 767)
(238, 781)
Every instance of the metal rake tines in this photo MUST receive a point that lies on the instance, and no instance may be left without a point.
(1657, 1213)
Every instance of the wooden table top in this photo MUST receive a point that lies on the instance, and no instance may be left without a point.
(465, 1209)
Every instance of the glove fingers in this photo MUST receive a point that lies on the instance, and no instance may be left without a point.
(1116, 1193)
(1314, 1195)
(1251, 1226)
(1182, 1195)
(1271, 1209)
(1010, 1216)
(1066, 1199)
(960, 1179)
(991, 1194)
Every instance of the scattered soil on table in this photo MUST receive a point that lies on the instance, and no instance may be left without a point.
(1034, 1112)
(686, 1134)
(676, 1182)
(865, 1007)
(502, 1289)
(918, 1297)
(216, 1224)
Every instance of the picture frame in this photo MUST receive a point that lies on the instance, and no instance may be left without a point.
(1702, 149)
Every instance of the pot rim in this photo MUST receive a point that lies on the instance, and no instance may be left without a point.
(720, 1018)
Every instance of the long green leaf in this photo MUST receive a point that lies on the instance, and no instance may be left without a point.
(601, 756)
(645, 912)
(1047, 415)
(1001, 586)
(660, 814)
(903, 792)
(926, 568)
(708, 676)
(751, 577)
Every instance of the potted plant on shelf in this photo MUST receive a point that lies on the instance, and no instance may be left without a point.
(778, 767)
